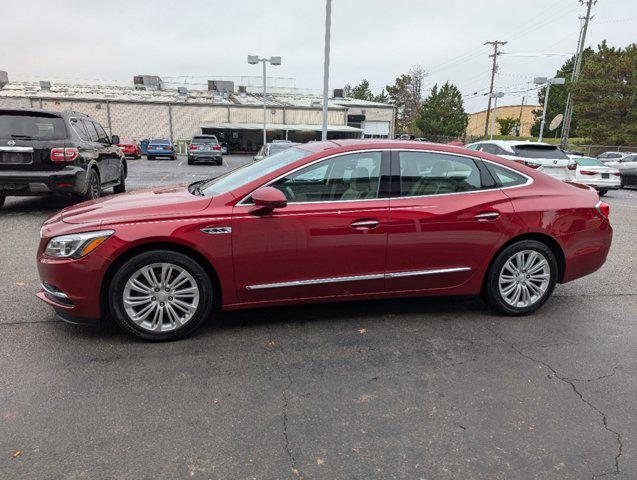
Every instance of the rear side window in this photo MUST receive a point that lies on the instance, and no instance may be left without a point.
(506, 177)
(31, 126)
(90, 129)
(539, 151)
(426, 173)
(101, 134)
(80, 129)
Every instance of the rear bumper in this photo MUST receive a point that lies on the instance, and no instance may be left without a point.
(602, 184)
(586, 251)
(205, 155)
(70, 179)
(160, 153)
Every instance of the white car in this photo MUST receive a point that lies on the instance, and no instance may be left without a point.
(607, 157)
(543, 157)
(594, 173)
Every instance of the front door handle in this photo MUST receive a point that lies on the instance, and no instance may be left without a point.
(366, 224)
(486, 216)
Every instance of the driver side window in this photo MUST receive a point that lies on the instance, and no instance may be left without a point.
(343, 178)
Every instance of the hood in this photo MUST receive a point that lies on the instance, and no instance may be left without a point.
(138, 205)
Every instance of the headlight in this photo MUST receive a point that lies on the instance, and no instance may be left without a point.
(76, 245)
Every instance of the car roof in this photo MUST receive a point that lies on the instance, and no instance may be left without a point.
(59, 113)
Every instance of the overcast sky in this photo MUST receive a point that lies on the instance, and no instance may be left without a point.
(373, 39)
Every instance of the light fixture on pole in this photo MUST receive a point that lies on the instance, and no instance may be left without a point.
(548, 82)
(253, 60)
(495, 96)
(326, 65)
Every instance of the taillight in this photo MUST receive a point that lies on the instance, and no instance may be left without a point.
(573, 166)
(532, 165)
(169, 148)
(217, 147)
(62, 155)
(587, 172)
(603, 209)
(617, 174)
(193, 147)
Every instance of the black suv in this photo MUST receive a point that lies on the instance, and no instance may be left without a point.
(46, 152)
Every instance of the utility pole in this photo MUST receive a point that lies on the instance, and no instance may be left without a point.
(520, 117)
(568, 112)
(254, 60)
(496, 45)
(326, 66)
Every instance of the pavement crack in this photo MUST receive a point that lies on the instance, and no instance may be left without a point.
(601, 377)
(570, 381)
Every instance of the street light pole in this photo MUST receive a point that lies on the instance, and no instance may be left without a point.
(253, 60)
(549, 82)
(494, 95)
(326, 66)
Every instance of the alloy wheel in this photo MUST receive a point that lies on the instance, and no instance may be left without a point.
(524, 278)
(161, 297)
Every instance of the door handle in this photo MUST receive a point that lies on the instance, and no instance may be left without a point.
(486, 216)
(367, 224)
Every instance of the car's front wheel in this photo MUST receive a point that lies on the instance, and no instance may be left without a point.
(2, 201)
(93, 185)
(601, 193)
(521, 278)
(160, 295)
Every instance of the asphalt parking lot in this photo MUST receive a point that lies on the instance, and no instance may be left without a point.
(409, 389)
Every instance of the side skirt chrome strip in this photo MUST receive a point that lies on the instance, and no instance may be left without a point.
(356, 278)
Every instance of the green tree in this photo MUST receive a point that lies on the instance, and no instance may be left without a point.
(360, 91)
(406, 95)
(442, 113)
(605, 96)
(507, 124)
(557, 98)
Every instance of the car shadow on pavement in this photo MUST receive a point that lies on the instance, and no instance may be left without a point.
(37, 204)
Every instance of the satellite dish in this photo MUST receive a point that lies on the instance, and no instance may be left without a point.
(556, 122)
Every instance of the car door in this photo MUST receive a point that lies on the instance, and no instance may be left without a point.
(95, 150)
(110, 154)
(329, 240)
(446, 216)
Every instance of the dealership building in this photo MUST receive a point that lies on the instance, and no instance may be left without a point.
(231, 108)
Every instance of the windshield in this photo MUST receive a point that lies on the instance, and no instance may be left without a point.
(31, 126)
(589, 162)
(252, 171)
(539, 151)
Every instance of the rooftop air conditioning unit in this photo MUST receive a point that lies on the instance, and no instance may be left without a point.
(242, 90)
(45, 85)
(221, 86)
(338, 93)
(182, 91)
(147, 82)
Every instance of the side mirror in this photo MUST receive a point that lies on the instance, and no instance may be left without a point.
(269, 198)
(114, 139)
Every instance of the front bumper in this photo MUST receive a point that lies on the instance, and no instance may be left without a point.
(70, 179)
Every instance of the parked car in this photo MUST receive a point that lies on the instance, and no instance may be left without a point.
(627, 167)
(224, 148)
(130, 149)
(160, 147)
(612, 156)
(594, 173)
(272, 148)
(50, 152)
(542, 157)
(323, 221)
(204, 148)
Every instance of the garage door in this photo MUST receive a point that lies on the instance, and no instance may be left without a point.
(376, 128)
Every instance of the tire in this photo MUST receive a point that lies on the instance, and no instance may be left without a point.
(121, 188)
(544, 283)
(154, 327)
(191, 161)
(93, 186)
(601, 193)
(2, 199)
(137, 157)
(174, 157)
(219, 162)
(150, 157)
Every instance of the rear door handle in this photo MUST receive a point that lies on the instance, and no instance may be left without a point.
(486, 216)
(366, 224)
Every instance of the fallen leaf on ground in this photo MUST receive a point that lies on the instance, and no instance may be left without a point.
(20, 284)
(16, 454)
(271, 343)
(215, 401)
(362, 330)
(320, 461)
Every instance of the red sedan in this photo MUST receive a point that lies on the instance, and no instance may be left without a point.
(130, 149)
(330, 221)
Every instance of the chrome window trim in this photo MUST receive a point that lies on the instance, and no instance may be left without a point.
(355, 278)
(529, 180)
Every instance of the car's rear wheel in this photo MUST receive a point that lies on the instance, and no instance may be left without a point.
(93, 185)
(160, 295)
(150, 157)
(191, 161)
(2, 199)
(521, 278)
(601, 193)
